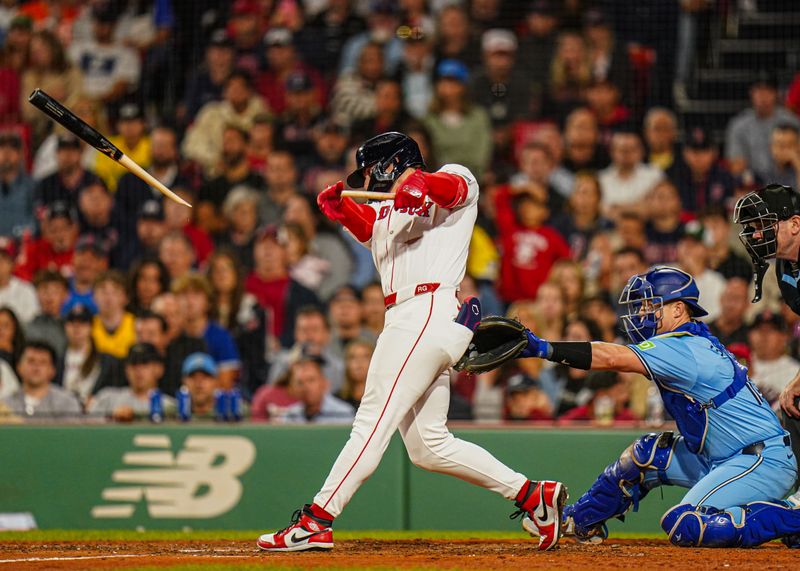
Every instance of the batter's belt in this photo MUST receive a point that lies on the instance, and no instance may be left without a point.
(406, 293)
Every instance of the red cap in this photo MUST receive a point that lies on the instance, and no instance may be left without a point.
(8, 247)
(242, 7)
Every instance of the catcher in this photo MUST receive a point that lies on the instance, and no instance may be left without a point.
(730, 450)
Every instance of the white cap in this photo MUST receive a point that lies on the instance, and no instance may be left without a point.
(499, 40)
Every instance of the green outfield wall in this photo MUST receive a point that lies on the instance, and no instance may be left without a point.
(254, 477)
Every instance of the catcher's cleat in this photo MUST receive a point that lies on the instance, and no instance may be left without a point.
(542, 504)
(306, 532)
(596, 535)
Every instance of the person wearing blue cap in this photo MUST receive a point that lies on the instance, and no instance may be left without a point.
(461, 132)
(199, 374)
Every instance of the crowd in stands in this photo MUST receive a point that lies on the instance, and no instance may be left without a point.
(248, 108)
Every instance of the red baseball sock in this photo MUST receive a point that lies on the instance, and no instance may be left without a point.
(320, 513)
(523, 492)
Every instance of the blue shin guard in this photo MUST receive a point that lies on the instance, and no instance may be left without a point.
(621, 485)
(747, 526)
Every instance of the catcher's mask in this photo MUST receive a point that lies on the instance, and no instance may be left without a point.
(759, 213)
(387, 150)
(646, 294)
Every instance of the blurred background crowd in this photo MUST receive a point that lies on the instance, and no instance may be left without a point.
(607, 136)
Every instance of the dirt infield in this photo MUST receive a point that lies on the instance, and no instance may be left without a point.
(387, 554)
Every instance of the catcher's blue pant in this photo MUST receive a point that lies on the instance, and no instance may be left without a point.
(732, 502)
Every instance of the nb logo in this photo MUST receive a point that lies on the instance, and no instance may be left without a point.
(200, 481)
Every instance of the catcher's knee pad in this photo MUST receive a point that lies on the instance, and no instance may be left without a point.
(740, 526)
(620, 486)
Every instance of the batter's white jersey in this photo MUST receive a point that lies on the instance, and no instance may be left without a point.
(428, 244)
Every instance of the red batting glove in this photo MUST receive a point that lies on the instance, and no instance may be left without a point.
(412, 192)
(330, 201)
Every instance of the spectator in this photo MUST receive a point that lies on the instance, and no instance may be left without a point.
(582, 148)
(608, 57)
(453, 36)
(357, 357)
(112, 328)
(772, 368)
(261, 142)
(15, 292)
(178, 218)
(353, 96)
(627, 181)
(246, 25)
(626, 262)
(13, 54)
(664, 226)
(83, 370)
(747, 140)
(316, 404)
(561, 179)
(537, 165)
(52, 290)
(382, 23)
(199, 374)
(604, 100)
(312, 336)
(661, 137)
(327, 245)
(53, 251)
(272, 401)
(582, 217)
(565, 386)
(460, 132)
(280, 295)
(730, 327)
(567, 275)
(48, 69)
(240, 210)
(539, 43)
(785, 152)
(235, 171)
(149, 279)
(529, 246)
(16, 188)
(95, 208)
(283, 62)
(600, 310)
(416, 74)
(132, 192)
(693, 258)
(206, 83)
(38, 397)
(306, 268)
(132, 140)
(173, 345)
(570, 74)
(177, 254)
(239, 313)
(294, 130)
(151, 228)
(700, 178)
(195, 293)
(373, 307)
(281, 185)
(324, 36)
(330, 163)
(71, 176)
(89, 262)
(721, 258)
(499, 86)
(549, 309)
(143, 368)
(110, 70)
(346, 319)
(525, 400)
(389, 112)
(11, 337)
(204, 141)
(610, 391)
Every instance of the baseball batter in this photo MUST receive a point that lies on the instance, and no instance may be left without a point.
(419, 244)
(732, 452)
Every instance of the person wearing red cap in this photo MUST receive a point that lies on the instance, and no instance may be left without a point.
(53, 251)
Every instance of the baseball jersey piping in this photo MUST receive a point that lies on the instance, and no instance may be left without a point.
(385, 406)
(389, 233)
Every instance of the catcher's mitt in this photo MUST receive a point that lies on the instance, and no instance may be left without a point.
(496, 340)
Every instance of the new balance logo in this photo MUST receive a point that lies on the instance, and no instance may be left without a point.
(200, 481)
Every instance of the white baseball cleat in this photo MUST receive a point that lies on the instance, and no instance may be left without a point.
(306, 532)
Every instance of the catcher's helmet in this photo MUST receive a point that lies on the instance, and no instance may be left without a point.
(646, 293)
(379, 152)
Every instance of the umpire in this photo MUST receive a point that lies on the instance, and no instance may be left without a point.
(770, 219)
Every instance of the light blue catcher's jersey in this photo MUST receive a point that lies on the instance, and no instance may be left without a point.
(693, 366)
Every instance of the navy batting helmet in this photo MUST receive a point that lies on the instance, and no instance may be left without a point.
(646, 293)
(380, 152)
